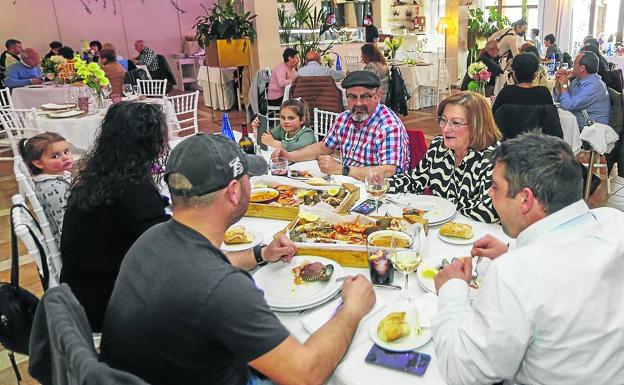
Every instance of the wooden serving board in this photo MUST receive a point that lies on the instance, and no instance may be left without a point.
(261, 210)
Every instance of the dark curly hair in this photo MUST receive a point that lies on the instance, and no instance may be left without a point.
(133, 138)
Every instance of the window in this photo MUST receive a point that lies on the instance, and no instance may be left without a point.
(513, 10)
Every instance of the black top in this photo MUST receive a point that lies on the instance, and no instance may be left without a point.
(182, 314)
(512, 94)
(372, 33)
(493, 67)
(94, 243)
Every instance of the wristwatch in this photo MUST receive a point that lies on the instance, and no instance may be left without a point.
(257, 250)
(345, 170)
(564, 85)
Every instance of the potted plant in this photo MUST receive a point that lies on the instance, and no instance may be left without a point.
(225, 35)
(480, 28)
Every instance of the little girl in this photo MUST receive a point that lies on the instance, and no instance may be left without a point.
(291, 134)
(49, 160)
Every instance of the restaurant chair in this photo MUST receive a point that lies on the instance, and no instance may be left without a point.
(152, 88)
(515, 119)
(433, 92)
(61, 345)
(18, 124)
(29, 231)
(616, 121)
(323, 121)
(318, 92)
(184, 117)
(5, 102)
(132, 76)
(417, 146)
(5, 98)
(26, 188)
(353, 62)
(66, 71)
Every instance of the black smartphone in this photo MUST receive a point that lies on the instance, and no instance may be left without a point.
(262, 128)
(366, 207)
(409, 362)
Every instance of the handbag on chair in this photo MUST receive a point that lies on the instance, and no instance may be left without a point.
(18, 305)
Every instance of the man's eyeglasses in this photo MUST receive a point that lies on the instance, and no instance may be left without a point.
(455, 125)
(364, 97)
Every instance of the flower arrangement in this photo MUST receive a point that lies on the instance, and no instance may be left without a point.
(393, 45)
(92, 76)
(51, 64)
(480, 76)
(327, 60)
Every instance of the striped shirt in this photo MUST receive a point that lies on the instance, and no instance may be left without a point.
(465, 185)
(381, 140)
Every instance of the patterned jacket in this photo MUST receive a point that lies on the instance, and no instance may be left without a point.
(52, 192)
(148, 58)
(465, 185)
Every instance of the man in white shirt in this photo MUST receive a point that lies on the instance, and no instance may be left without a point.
(313, 67)
(549, 310)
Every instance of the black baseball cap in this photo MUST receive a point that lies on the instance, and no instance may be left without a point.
(365, 79)
(210, 162)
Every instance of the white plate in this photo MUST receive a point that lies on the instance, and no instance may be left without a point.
(54, 106)
(429, 286)
(281, 292)
(439, 210)
(66, 114)
(458, 241)
(256, 237)
(409, 342)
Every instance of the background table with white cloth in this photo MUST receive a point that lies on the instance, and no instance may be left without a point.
(218, 86)
(618, 60)
(35, 96)
(416, 76)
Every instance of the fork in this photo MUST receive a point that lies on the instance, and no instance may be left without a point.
(475, 274)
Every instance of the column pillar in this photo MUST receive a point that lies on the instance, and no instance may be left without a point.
(268, 54)
(381, 14)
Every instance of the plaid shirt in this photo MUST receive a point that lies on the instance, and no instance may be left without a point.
(148, 58)
(382, 140)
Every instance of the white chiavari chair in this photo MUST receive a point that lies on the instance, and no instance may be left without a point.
(5, 103)
(18, 124)
(323, 121)
(184, 117)
(157, 88)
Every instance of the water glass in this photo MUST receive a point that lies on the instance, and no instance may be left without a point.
(279, 166)
(380, 264)
(127, 90)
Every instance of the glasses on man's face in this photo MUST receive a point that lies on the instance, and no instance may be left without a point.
(455, 124)
(364, 97)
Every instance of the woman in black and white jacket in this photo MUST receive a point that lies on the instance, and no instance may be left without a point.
(457, 165)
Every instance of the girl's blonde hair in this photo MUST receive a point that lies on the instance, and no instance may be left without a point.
(483, 129)
(299, 107)
(32, 149)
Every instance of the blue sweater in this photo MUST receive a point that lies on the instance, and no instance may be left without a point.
(19, 75)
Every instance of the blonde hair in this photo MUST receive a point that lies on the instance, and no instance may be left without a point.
(483, 129)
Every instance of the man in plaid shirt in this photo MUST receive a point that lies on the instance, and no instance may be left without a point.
(367, 134)
(147, 56)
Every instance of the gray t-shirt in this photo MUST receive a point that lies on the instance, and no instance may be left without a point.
(180, 313)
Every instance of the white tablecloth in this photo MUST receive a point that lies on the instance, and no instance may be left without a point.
(218, 86)
(353, 370)
(617, 60)
(81, 132)
(416, 76)
(34, 96)
(570, 128)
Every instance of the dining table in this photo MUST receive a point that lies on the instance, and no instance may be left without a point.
(35, 95)
(353, 369)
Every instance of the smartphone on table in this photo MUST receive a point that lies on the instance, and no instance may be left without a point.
(409, 362)
(366, 207)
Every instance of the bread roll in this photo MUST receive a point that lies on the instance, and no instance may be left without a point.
(236, 235)
(458, 230)
(393, 326)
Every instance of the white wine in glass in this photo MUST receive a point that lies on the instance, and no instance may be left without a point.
(376, 185)
(406, 261)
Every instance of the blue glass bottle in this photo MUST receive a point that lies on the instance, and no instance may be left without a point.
(226, 127)
(551, 65)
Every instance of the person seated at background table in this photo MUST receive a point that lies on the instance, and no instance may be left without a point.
(282, 75)
(457, 165)
(367, 134)
(94, 50)
(542, 305)
(118, 57)
(551, 47)
(11, 54)
(525, 67)
(541, 76)
(583, 89)
(146, 57)
(67, 53)
(610, 78)
(25, 72)
(54, 49)
(212, 323)
(113, 70)
(489, 57)
(113, 200)
(537, 42)
(313, 67)
(50, 161)
(292, 134)
(375, 62)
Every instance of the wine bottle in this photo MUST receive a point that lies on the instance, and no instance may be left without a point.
(245, 142)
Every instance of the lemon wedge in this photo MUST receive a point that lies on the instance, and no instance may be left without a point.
(259, 185)
(303, 193)
(308, 217)
(333, 191)
(429, 273)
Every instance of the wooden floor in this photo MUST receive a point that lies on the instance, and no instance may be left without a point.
(209, 123)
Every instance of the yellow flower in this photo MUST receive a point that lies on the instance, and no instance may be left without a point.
(99, 73)
(93, 66)
(104, 82)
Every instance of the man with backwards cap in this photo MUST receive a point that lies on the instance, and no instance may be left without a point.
(183, 313)
(367, 134)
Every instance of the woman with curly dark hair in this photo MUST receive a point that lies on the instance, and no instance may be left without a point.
(374, 61)
(113, 200)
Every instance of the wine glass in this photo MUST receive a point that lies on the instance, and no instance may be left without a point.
(407, 260)
(106, 90)
(127, 89)
(278, 166)
(376, 185)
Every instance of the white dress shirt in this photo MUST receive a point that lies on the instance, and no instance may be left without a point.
(315, 69)
(549, 311)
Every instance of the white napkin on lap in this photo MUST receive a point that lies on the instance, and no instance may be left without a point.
(601, 137)
(315, 319)
(427, 307)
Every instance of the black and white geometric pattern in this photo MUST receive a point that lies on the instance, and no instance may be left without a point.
(465, 185)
